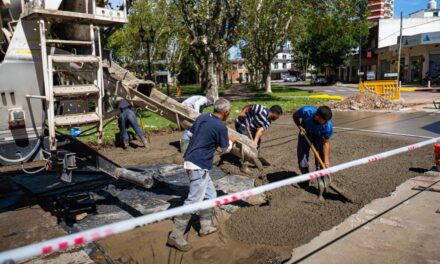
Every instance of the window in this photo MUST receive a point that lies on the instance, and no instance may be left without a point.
(435, 14)
(275, 65)
(284, 65)
(284, 56)
(240, 66)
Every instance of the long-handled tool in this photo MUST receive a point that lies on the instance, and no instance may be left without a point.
(324, 182)
(262, 159)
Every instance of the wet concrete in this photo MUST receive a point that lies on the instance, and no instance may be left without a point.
(414, 123)
(402, 228)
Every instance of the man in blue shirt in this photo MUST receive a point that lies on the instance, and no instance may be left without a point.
(316, 123)
(207, 134)
(198, 103)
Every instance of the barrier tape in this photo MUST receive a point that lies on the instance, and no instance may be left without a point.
(80, 238)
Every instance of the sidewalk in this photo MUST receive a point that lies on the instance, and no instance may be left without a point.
(402, 228)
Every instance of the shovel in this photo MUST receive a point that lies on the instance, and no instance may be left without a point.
(324, 182)
(262, 159)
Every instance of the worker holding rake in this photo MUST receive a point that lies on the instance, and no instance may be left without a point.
(315, 130)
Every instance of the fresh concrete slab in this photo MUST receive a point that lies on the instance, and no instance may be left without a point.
(402, 228)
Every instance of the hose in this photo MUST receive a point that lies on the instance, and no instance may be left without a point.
(21, 159)
(32, 172)
(91, 133)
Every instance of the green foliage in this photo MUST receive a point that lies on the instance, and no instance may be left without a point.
(213, 29)
(331, 29)
(170, 39)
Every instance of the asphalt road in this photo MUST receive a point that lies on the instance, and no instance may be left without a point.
(420, 124)
(346, 90)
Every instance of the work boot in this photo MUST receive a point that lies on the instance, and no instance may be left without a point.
(244, 167)
(206, 225)
(125, 144)
(304, 170)
(321, 188)
(145, 143)
(176, 238)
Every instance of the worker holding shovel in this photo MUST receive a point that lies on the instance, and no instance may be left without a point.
(253, 121)
(315, 130)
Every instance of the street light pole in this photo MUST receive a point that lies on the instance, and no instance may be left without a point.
(149, 40)
(149, 61)
(400, 50)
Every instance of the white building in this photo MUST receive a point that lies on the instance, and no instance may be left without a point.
(389, 29)
(420, 45)
(431, 11)
(282, 63)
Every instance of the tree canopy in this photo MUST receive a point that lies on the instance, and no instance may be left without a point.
(322, 32)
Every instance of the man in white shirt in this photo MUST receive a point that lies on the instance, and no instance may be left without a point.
(198, 103)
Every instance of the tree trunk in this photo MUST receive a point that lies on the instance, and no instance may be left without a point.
(268, 83)
(204, 78)
(174, 80)
(266, 79)
(212, 91)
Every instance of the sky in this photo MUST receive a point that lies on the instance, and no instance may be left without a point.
(409, 6)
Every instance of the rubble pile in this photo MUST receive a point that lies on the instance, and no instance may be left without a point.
(366, 101)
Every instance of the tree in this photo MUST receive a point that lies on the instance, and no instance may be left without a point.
(213, 29)
(176, 49)
(170, 40)
(265, 31)
(329, 45)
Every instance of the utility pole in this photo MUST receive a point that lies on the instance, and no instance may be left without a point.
(400, 49)
(360, 58)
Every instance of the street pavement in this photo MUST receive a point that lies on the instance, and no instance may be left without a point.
(401, 228)
(346, 90)
(420, 124)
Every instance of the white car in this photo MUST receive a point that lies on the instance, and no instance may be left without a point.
(290, 79)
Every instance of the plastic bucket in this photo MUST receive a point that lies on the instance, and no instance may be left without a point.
(75, 131)
(437, 155)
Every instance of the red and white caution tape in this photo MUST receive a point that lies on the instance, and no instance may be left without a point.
(80, 238)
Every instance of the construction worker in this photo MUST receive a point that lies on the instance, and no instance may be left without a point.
(316, 123)
(208, 133)
(253, 121)
(127, 118)
(198, 103)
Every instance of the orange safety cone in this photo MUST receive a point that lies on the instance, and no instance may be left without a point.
(179, 90)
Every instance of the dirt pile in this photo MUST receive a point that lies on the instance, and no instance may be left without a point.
(366, 101)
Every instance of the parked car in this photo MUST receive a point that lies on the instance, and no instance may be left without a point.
(320, 80)
(290, 79)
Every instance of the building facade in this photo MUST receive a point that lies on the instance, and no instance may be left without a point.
(430, 11)
(420, 54)
(380, 9)
(282, 63)
(238, 72)
(420, 57)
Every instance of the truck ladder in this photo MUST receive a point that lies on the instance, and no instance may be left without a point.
(80, 91)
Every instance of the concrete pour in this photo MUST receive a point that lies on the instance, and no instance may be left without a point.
(402, 228)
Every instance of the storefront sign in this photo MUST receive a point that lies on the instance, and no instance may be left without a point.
(431, 38)
(371, 75)
(421, 39)
(391, 74)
